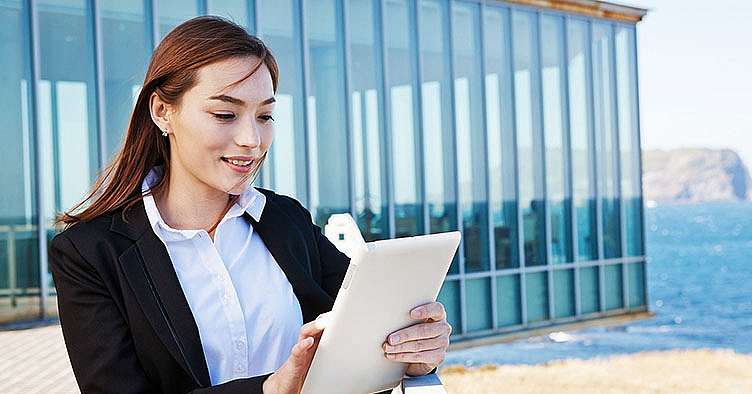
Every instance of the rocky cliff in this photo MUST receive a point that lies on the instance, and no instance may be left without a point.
(695, 175)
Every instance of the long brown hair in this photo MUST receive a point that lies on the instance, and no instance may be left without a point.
(172, 71)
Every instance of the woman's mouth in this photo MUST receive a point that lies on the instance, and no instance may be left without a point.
(242, 165)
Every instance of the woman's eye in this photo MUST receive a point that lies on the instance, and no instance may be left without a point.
(266, 118)
(223, 116)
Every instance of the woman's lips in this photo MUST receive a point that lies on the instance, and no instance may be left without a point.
(241, 164)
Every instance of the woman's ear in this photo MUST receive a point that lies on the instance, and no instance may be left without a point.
(160, 113)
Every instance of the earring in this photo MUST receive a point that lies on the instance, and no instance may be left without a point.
(164, 133)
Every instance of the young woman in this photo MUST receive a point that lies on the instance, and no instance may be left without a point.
(177, 275)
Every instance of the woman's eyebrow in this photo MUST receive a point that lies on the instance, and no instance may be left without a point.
(237, 101)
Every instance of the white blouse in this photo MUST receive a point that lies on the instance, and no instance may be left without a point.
(247, 314)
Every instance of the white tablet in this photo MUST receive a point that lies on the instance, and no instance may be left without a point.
(385, 280)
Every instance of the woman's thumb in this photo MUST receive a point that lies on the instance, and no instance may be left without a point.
(300, 350)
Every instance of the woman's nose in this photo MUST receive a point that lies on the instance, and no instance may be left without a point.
(249, 136)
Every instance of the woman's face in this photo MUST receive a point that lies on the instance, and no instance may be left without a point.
(218, 132)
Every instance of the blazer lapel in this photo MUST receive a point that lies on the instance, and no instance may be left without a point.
(149, 271)
(286, 243)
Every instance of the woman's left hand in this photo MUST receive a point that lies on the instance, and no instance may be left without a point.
(423, 345)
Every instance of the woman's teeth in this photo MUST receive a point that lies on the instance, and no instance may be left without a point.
(240, 162)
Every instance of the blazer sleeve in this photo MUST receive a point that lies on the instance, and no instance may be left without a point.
(97, 337)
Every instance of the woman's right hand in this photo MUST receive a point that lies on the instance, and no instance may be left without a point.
(289, 378)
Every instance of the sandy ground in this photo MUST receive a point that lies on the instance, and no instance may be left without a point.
(676, 371)
(34, 361)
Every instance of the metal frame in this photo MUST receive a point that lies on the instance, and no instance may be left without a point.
(460, 219)
(489, 211)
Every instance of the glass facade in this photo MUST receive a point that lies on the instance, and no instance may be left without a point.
(517, 126)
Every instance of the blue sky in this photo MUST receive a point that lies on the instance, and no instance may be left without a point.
(695, 65)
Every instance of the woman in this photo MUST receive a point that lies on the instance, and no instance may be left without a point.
(178, 275)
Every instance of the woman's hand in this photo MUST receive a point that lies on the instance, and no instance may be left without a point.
(289, 378)
(423, 345)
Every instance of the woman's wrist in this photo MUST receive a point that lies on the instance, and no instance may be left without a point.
(269, 387)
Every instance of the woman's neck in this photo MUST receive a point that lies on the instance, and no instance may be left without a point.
(190, 205)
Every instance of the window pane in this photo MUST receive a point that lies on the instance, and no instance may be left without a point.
(285, 166)
(174, 12)
(67, 106)
(234, 10)
(554, 120)
(564, 293)
(589, 298)
(500, 128)
(583, 185)
(536, 296)
(478, 304)
(405, 142)
(508, 300)
(326, 103)
(636, 274)
(366, 113)
(449, 296)
(19, 246)
(605, 132)
(438, 140)
(471, 146)
(529, 144)
(629, 140)
(614, 287)
(126, 46)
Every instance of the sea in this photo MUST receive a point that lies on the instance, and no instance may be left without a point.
(699, 286)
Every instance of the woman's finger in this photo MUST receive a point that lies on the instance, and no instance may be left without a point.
(433, 357)
(441, 342)
(312, 329)
(419, 331)
(433, 311)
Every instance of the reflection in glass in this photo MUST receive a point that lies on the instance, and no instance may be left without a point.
(478, 304)
(471, 146)
(284, 170)
(529, 144)
(629, 139)
(174, 12)
(234, 10)
(126, 46)
(366, 117)
(564, 304)
(405, 138)
(508, 301)
(589, 293)
(67, 127)
(19, 249)
(605, 138)
(581, 140)
(438, 140)
(500, 129)
(327, 127)
(636, 280)
(614, 296)
(536, 296)
(556, 141)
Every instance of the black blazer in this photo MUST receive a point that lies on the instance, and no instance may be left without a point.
(126, 322)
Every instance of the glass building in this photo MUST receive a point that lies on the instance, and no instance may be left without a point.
(516, 124)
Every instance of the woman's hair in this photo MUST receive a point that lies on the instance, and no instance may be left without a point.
(172, 71)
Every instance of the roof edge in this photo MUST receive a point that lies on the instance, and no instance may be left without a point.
(592, 8)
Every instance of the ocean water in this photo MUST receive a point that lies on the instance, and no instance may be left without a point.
(699, 286)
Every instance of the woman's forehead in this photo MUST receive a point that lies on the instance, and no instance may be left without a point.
(222, 78)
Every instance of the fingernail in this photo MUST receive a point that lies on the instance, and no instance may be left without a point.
(394, 339)
(417, 313)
